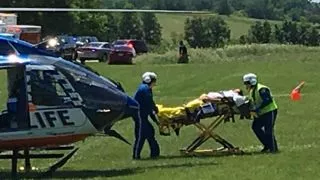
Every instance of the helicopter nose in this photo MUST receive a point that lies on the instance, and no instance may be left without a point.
(105, 117)
(131, 108)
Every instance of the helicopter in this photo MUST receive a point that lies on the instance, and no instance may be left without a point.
(52, 103)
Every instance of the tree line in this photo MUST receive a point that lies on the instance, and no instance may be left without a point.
(199, 32)
(214, 32)
(286, 33)
(106, 26)
(294, 10)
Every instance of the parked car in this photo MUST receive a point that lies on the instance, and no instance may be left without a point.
(121, 54)
(83, 40)
(94, 51)
(140, 46)
(64, 46)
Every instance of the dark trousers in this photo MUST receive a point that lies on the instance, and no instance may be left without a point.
(144, 131)
(266, 135)
(183, 58)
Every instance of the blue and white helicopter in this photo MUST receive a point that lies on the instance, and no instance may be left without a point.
(53, 102)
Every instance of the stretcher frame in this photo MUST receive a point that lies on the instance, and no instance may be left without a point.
(207, 132)
(226, 112)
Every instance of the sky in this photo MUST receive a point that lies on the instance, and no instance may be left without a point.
(315, 0)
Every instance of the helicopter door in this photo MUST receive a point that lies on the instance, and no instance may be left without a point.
(53, 103)
(15, 117)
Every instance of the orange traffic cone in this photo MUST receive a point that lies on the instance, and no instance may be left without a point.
(296, 92)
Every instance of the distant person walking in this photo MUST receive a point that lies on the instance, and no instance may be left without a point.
(183, 53)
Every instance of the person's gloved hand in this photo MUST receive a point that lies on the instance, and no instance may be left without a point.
(254, 114)
(156, 110)
(257, 110)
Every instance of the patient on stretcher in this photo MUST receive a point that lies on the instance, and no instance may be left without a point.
(210, 104)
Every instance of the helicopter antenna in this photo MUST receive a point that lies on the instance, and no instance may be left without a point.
(97, 10)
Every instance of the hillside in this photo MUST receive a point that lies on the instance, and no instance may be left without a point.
(175, 23)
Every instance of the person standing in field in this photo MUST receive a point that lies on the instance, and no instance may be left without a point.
(183, 53)
(264, 110)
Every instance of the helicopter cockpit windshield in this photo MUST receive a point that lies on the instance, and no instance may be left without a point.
(96, 91)
(77, 68)
(45, 89)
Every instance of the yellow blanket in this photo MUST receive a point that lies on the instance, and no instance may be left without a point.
(166, 114)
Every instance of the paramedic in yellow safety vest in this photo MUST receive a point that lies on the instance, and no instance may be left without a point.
(265, 110)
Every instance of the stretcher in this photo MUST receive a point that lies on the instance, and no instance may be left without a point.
(192, 113)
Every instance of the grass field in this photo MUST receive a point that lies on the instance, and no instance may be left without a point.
(175, 23)
(297, 126)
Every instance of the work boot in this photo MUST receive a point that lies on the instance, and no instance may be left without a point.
(155, 157)
(274, 151)
(264, 150)
(136, 158)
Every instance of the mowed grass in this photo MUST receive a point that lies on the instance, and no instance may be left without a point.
(175, 23)
(297, 127)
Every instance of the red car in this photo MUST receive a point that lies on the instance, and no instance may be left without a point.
(140, 46)
(121, 54)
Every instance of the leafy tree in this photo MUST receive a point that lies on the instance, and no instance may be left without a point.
(194, 32)
(151, 28)
(217, 31)
(313, 37)
(130, 26)
(112, 28)
(278, 34)
(267, 32)
(224, 7)
(85, 23)
(208, 32)
(256, 32)
(243, 39)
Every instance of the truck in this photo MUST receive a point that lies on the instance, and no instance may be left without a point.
(28, 33)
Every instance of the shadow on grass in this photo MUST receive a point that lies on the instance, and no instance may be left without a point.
(99, 173)
(126, 171)
(224, 154)
(72, 174)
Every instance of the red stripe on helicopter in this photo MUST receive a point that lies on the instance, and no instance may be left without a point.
(41, 142)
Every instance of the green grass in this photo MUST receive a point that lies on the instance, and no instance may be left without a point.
(175, 23)
(297, 125)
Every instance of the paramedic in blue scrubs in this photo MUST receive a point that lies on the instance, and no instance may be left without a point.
(143, 127)
(265, 112)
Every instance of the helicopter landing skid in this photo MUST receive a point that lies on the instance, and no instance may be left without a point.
(27, 156)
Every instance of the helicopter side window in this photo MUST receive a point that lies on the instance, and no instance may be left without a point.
(45, 89)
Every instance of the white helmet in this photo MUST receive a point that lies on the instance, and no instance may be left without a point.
(251, 78)
(147, 77)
